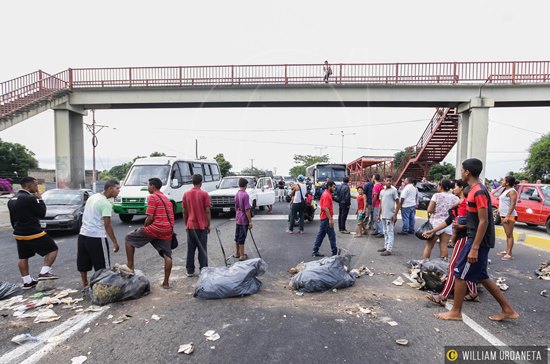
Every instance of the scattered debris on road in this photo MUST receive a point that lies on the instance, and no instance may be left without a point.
(392, 323)
(361, 271)
(46, 315)
(399, 281)
(113, 285)
(212, 335)
(46, 285)
(544, 271)
(403, 342)
(430, 274)
(24, 338)
(79, 359)
(544, 293)
(155, 317)
(297, 269)
(186, 348)
(437, 330)
(501, 284)
(121, 319)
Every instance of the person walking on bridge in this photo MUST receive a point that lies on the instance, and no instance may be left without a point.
(26, 208)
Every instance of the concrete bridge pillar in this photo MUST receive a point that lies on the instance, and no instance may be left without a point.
(69, 149)
(473, 128)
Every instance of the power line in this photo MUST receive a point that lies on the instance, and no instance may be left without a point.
(516, 127)
(297, 129)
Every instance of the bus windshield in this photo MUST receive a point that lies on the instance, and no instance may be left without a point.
(139, 175)
(335, 174)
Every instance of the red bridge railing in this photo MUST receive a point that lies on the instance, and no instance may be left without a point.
(25, 90)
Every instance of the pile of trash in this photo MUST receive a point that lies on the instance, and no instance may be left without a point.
(544, 271)
(40, 305)
(429, 274)
(240, 279)
(325, 274)
(118, 284)
(7, 289)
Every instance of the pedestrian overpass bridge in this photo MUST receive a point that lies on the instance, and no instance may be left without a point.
(462, 92)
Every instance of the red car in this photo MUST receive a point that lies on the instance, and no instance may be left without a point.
(533, 206)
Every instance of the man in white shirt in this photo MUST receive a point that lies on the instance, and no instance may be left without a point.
(407, 204)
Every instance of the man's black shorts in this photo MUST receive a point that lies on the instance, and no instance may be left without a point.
(41, 246)
(92, 252)
(240, 233)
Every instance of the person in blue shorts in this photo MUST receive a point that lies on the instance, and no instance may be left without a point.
(472, 262)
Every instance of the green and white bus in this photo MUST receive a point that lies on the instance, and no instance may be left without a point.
(175, 174)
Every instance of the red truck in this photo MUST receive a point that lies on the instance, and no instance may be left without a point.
(533, 206)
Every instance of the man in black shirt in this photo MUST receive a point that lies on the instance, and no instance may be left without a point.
(26, 208)
(344, 203)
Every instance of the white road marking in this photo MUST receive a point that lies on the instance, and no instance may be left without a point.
(64, 331)
(491, 339)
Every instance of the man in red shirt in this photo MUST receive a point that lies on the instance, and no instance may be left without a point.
(196, 213)
(158, 229)
(327, 222)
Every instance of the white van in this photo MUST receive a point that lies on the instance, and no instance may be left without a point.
(175, 174)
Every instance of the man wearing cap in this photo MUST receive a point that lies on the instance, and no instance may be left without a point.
(298, 205)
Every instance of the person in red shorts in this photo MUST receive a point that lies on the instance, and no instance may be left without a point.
(472, 262)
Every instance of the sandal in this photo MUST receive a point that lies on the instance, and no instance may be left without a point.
(502, 253)
(507, 257)
(470, 298)
(243, 257)
(432, 297)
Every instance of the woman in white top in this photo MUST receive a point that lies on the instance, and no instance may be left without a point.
(438, 208)
(508, 215)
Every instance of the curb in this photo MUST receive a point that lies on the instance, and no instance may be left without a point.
(535, 241)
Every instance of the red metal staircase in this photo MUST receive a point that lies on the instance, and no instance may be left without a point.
(433, 146)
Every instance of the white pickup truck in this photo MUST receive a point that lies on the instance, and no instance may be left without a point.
(261, 192)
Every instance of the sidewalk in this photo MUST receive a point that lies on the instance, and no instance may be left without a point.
(530, 236)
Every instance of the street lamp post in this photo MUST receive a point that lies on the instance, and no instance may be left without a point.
(342, 134)
(94, 129)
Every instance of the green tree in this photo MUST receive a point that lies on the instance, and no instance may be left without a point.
(538, 162)
(15, 160)
(156, 154)
(401, 155)
(441, 171)
(303, 161)
(518, 175)
(253, 171)
(225, 166)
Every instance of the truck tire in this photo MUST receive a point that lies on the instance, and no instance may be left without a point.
(126, 217)
(253, 209)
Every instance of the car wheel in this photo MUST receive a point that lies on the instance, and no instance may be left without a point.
(78, 225)
(253, 209)
(214, 213)
(262, 208)
(496, 216)
(548, 226)
(126, 217)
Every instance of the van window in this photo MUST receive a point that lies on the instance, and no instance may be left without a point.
(215, 172)
(176, 174)
(197, 169)
(185, 172)
(207, 173)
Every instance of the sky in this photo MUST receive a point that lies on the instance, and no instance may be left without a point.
(54, 37)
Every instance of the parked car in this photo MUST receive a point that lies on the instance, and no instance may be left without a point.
(425, 193)
(64, 209)
(533, 206)
(261, 192)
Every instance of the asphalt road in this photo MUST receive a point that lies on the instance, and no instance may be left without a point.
(276, 325)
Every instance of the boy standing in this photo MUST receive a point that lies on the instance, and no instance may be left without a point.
(387, 215)
(243, 219)
(93, 247)
(472, 262)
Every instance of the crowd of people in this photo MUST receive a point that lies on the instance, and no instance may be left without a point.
(460, 213)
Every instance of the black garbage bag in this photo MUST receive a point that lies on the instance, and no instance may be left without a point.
(236, 281)
(422, 229)
(324, 274)
(113, 285)
(7, 289)
(431, 274)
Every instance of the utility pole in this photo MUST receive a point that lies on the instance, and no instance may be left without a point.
(196, 149)
(94, 129)
(343, 135)
(252, 163)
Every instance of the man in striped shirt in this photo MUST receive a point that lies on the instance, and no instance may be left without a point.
(158, 229)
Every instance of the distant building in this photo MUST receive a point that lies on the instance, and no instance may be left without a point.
(47, 177)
